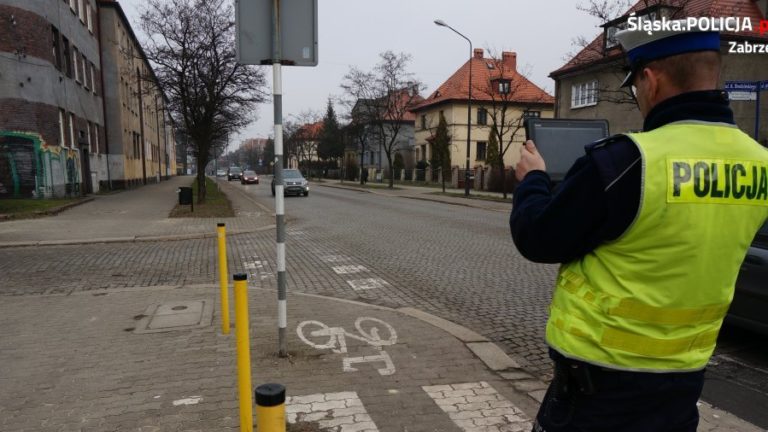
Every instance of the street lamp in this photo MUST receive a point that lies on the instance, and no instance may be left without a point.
(442, 23)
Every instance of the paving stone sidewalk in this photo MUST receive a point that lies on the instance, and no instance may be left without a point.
(102, 361)
(134, 215)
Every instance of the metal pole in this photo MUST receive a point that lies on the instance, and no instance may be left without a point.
(221, 233)
(277, 96)
(242, 334)
(469, 121)
(442, 23)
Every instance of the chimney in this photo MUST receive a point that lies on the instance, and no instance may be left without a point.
(479, 53)
(509, 60)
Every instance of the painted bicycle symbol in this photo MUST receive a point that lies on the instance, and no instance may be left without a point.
(318, 335)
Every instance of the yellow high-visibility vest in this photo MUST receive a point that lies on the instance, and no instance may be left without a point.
(654, 299)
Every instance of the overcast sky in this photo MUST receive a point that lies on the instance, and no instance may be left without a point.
(354, 32)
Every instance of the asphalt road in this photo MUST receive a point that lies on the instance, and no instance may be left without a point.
(452, 261)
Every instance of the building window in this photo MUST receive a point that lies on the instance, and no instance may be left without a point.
(482, 116)
(72, 139)
(73, 6)
(55, 47)
(423, 121)
(81, 11)
(66, 57)
(88, 17)
(531, 114)
(88, 135)
(93, 78)
(504, 86)
(584, 94)
(86, 79)
(95, 147)
(76, 63)
(482, 147)
(62, 128)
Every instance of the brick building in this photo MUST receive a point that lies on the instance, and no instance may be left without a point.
(52, 140)
(139, 131)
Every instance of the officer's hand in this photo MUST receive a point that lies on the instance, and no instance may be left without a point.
(530, 160)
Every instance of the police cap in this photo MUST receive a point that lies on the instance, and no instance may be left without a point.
(679, 37)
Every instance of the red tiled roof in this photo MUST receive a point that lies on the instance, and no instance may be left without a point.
(404, 100)
(691, 8)
(310, 131)
(484, 71)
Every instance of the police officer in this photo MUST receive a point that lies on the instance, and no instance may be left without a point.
(650, 229)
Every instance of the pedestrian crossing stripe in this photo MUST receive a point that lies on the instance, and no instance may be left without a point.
(342, 412)
(473, 407)
(477, 406)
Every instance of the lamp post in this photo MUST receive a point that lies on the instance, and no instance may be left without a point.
(442, 23)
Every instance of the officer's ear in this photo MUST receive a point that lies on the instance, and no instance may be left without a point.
(650, 78)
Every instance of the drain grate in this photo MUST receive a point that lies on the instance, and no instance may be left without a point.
(179, 315)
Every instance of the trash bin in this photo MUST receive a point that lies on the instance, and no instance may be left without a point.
(185, 196)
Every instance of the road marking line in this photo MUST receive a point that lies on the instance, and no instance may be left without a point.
(366, 284)
(349, 269)
(334, 258)
(477, 406)
(343, 411)
(192, 400)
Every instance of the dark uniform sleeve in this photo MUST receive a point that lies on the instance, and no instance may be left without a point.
(596, 203)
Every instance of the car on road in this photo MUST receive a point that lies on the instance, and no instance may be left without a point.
(221, 173)
(233, 173)
(749, 308)
(249, 177)
(294, 182)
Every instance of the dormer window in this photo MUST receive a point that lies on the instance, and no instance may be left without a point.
(652, 13)
(504, 86)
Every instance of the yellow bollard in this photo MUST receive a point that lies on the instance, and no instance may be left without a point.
(270, 408)
(222, 235)
(243, 352)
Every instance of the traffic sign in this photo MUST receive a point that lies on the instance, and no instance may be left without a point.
(298, 32)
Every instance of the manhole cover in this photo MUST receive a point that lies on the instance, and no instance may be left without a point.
(176, 316)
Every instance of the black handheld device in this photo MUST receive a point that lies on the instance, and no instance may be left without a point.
(561, 141)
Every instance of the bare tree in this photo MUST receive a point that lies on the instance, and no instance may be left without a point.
(191, 44)
(510, 103)
(384, 97)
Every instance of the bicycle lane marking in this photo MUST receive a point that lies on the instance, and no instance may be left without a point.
(320, 336)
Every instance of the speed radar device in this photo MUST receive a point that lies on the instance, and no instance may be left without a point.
(561, 141)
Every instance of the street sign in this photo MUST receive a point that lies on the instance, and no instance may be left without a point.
(743, 86)
(735, 95)
(298, 32)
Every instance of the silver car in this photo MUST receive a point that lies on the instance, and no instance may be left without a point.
(294, 183)
(750, 302)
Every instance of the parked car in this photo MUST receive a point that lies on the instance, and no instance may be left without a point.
(233, 173)
(221, 173)
(295, 183)
(248, 177)
(750, 302)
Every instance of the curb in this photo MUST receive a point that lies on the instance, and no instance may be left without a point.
(129, 239)
(421, 197)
